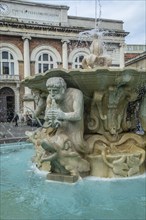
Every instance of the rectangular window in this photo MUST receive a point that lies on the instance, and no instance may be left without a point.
(4, 55)
(5, 68)
(45, 67)
(12, 68)
(51, 66)
(45, 57)
(39, 68)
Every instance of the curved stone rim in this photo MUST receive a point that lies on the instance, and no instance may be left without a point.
(89, 80)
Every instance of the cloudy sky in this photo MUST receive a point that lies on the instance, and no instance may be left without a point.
(131, 12)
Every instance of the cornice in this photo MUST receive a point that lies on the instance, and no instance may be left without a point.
(50, 27)
(93, 19)
(29, 3)
(40, 26)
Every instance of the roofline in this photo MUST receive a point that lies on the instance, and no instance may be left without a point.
(37, 4)
(89, 18)
(135, 59)
(135, 44)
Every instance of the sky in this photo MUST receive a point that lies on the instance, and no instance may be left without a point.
(131, 12)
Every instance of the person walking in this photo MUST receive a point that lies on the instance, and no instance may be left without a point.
(16, 118)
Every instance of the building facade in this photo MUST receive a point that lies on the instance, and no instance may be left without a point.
(37, 37)
(133, 50)
(138, 62)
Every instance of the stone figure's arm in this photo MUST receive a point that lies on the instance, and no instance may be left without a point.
(48, 106)
(40, 107)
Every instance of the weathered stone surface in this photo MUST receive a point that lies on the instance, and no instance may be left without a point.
(62, 178)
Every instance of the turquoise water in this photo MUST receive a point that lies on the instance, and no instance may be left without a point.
(26, 195)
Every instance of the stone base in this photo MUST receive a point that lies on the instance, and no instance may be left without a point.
(84, 174)
(62, 178)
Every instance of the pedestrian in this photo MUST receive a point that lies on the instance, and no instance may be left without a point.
(16, 118)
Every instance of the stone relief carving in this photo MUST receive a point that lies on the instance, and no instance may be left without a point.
(109, 108)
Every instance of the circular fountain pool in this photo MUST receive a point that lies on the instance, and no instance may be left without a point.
(26, 195)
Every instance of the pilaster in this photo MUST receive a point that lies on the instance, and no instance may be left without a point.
(26, 39)
(122, 58)
(64, 53)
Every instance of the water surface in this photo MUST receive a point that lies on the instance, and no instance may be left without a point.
(26, 195)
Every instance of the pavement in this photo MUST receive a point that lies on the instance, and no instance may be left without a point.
(9, 133)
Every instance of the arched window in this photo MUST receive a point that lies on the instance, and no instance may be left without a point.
(45, 62)
(45, 57)
(10, 55)
(76, 57)
(7, 63)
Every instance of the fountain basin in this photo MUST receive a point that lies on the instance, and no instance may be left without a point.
(26, 194)
(89, 80)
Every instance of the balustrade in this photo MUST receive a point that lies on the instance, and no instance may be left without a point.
(9, 77)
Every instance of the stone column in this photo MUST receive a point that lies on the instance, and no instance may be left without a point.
(64, 54)
(26, 62)
(17, 98)
(122, 58)
(28, 102)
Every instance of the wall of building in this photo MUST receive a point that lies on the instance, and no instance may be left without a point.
(139, 62)
(133, 50)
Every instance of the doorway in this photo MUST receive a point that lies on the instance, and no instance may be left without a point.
(7, 104)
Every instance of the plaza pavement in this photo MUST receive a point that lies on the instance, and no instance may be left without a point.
(9, 133)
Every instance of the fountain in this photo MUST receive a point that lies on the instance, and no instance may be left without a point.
(87, 130)
(87, 138)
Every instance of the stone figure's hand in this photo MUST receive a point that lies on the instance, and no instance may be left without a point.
(54, 118)
(57, 124)
(55, 114)
(50, 115)
(60, 115)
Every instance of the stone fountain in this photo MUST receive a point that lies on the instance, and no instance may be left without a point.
(88, 128)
